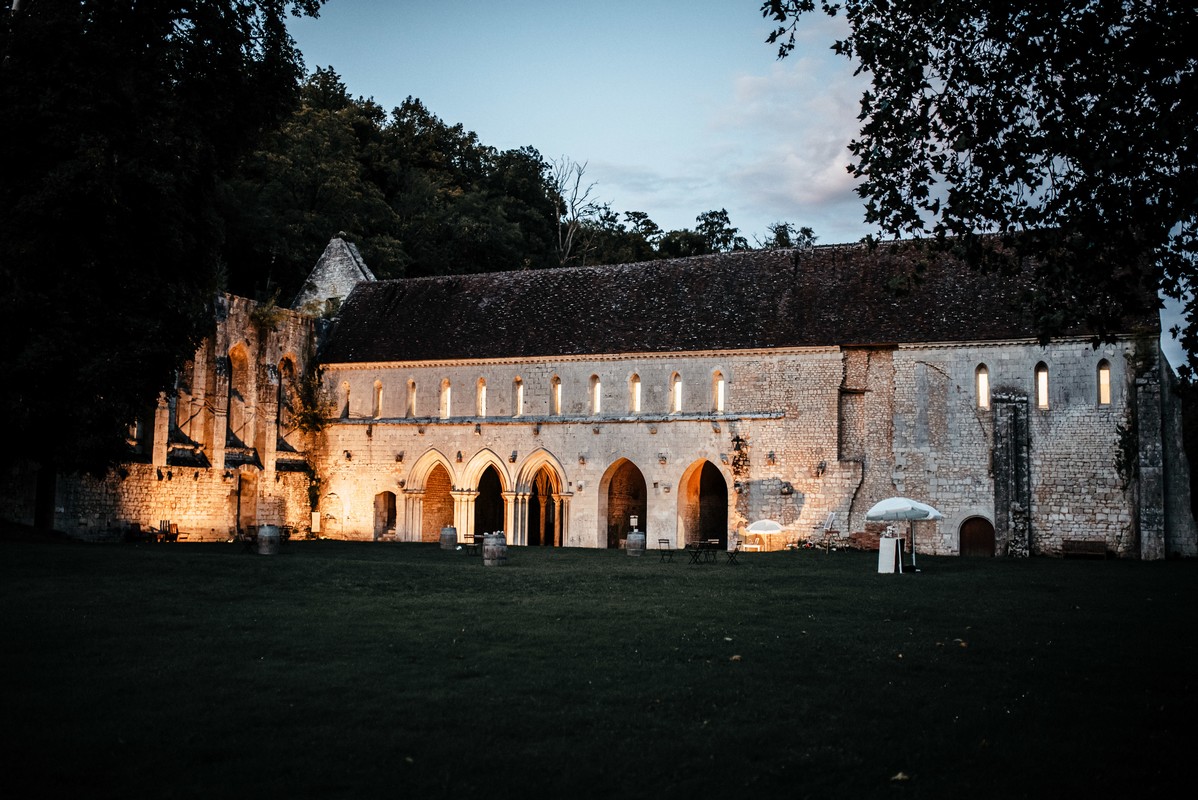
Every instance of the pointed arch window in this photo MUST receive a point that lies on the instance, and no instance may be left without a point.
(518, 397)
(1042, 385)
(676, 394)
(376, 406)
(981, 382)
(634, 394)
(1104, 383)
(596, 395)
(410, 406)
(480, 398)
(446, 399)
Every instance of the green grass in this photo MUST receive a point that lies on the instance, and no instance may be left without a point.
(347, 669)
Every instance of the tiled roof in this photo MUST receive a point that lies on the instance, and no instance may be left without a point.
(842, 295)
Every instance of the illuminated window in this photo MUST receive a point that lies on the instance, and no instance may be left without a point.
(717, 392)
(480, 398)
(377, 410)
(1104, 383)
(555, 395)
(596, 395)
(410, 407)
(1041, 385)
(982, 383)
(517, 397)
(634, 391)
(345, 400)
(446, 401)
(675, 393)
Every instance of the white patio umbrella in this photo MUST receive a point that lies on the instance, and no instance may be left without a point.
(765, 526)
(894, 509)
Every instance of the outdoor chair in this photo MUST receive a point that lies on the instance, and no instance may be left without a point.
(667, 552)
(248, 537)
(733, 553)
(824, 534)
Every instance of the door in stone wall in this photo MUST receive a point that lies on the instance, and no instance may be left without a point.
(542, 516)
(247, 500)
(488, 505)
(703, 504)
(626, 498)
(438, 504)
(977, 537)
(384, 514)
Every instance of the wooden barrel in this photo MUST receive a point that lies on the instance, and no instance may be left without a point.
(268, 540)
(449, 537)
(495, 549)
(635, 545)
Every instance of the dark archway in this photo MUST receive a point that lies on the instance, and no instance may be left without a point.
(488, 506)
(977, 537)
(438, 504)
(703, 504)
(542, 511)
(626, 497)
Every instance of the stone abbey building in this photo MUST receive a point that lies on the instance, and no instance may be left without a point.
(699, 395)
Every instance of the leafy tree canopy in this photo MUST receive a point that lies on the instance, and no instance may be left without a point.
(1063, 131)
(120, 119)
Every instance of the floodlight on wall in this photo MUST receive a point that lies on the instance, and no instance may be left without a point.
(771, 459)
(582, 459)
(512, 457)
(723, 458)
(478, 429)
(459, 457)
(652, 429)
(715, 427)
(402, 483)
(536, 429)
(661, 459)
(420, 429)
(349, 456)
(595, 429)
(821, 468)
(399, 457)
(159, 474)
(738, 486)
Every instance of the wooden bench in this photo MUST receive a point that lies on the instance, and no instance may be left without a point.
(1083, 548)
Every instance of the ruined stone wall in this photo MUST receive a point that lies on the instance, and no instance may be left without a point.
(194, 477)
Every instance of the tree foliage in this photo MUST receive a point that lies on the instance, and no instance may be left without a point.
(120, 119)
(1061, 131)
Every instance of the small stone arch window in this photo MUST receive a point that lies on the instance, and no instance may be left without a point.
(1042, 385)
(981, 382)
(518, 397)
(717, 392)
(446, 399)
(634, 394)
(480, 398)
(410, 407)
(675, 393)
(1104, 383)
(596, 395)
(345, 400)
(555, 396)
(376, 410)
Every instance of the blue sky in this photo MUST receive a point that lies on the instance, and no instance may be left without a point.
(677, 106)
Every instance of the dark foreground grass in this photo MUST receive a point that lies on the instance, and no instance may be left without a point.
(343, 669)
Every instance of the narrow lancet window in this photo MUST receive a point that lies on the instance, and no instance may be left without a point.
(517, 397)
(480, 401)
(676, 394)
(377, 409)
(982, 380)
(1042, 385)
(555, 396)
(410, 408)
(596, 395)
(446, 399)
(1104, 383)
(717, 392)
(634, 391)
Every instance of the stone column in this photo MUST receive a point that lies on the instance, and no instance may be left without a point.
(510, 503)
(1151, 481)
(463, 510)
(1011, 462)
(162, 428)
(413, 514)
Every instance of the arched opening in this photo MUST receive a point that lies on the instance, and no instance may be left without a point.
(542, 516)
(634, 394)
(238, 432)
(977, 537)
(1042, 385)
(384, 514)
(703, 504)
(596, 395)
(622, 495)
(480, 398)
(344, 400)
(438, 504)
(676, 394)
(488, 506)
(446, 409)
(981, 379)
(286, 435)
(555, 396)
(518, 397)
(410, 406)
(1104, 382)
(717, 392)
(376, 405)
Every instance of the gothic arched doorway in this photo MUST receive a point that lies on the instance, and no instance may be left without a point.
(622, 495)
(438, 504)
(542, 511)
(977, 537)
(488, 506)
(703, 504)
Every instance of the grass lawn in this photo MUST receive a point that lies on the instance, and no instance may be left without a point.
(342, 669)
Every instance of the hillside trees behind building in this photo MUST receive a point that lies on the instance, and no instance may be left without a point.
(120, 119)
